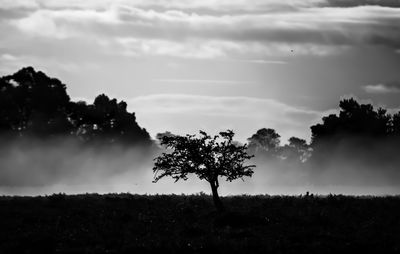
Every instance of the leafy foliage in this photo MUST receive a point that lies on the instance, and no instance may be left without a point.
(357, 127)
(33, 104)
(357, 120)
(357, 133)
(265, 143)
(207, 157)
(264, 140)
(296, 150)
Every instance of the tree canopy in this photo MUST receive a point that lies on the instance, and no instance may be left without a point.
(356, 120)
(266, 144)
(356, 133)
(264, 140)
(207, 157)
(33, 104)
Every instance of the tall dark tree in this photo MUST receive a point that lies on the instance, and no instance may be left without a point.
(33, 104)
(107, 120)
(207, 157)
(355, 134)
(354, 119)
(396, 124)
(264, 141)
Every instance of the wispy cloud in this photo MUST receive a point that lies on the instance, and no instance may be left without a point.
(8, 57)
(218, 5)
(213, 29)
(206, 81)
(14, 4)
(353, 3)
(383, 88)
(161, 47)
(245, 106)
(183, 113)
(260, 61)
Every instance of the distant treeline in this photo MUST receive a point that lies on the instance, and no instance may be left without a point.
(35, 105)
(358, 130)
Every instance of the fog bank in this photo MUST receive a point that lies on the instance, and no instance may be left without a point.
(37, 167)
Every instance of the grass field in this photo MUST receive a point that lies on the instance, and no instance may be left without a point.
(118, 223)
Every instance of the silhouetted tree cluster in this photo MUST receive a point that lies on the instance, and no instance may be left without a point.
(33, 104)
(357, 120)
(265, 143)
(357, 126)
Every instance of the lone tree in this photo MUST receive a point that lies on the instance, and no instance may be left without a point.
(207, 157)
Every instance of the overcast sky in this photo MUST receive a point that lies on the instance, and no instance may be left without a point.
(183, 65)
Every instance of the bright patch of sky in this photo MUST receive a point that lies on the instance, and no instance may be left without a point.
(184, 65)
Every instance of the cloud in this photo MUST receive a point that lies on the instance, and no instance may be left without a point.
(383, 88)
(155, 47)
(8, 57)
(181, 29)
(218, 49)
(183, 113)
(61, 24)
(13, 62)
(205, 81)
(260, 61)
(194, 5)
(18, 4)
(244, 106)
(354, 3)
(39, 24)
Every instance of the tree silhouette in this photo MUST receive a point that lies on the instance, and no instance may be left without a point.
(297, 150)
(160, 136)
(33, 104)
(207, 157)
(107, 120)
(396, 124)
(355, 133)
(354, 119)
(264, 141)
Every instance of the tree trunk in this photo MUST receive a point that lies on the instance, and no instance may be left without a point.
(217, 201)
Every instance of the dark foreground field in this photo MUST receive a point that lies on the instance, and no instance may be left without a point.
(171, 224)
